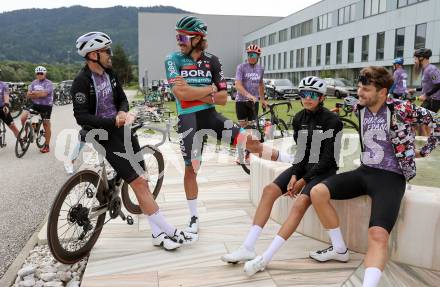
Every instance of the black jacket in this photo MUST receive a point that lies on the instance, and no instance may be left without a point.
(304, 123)
(84, 100)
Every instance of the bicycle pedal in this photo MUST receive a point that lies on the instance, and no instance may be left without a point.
(130, 220)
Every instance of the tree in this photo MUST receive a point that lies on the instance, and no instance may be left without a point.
(121, 65)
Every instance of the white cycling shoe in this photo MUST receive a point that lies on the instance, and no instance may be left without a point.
(329, 254)
(165, 242)
(256, 265)
(184, 238)
(193, 225)
(242, 254)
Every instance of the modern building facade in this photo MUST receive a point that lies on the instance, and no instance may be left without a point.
(225, 33)
(336, 38)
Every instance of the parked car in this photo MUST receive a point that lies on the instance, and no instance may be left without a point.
(280, 89)
(230, 82)
(340, 87)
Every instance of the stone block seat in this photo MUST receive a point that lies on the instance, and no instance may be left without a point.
(415, 239)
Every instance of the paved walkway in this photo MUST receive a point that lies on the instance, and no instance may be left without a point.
(124, 255)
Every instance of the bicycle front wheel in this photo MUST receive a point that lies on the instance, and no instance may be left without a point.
(41, 136)
(154, 172)
(76, 217)
(23, 140)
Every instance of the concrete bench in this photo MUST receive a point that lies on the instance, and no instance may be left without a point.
(415, 239)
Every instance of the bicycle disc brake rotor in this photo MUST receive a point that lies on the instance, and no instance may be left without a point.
(114, 207)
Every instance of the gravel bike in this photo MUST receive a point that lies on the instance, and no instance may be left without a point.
(31, 131)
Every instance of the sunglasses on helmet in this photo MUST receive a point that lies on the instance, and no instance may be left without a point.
(108, 51)
(183, 38)
(252, 55)
(311, 94)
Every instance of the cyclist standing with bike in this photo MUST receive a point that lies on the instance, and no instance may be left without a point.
(41, 93)
(317, 163)
(398, 89)
(99, 102)
(5, 113)
(388, 161)
(197, 81)
(250, 87)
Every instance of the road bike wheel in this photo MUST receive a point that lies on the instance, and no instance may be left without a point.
(23, 140)
(76, 217)
(41, 136)
(349, 124)
(154, 172)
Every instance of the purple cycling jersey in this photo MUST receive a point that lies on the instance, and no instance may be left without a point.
(400, 78)
(250, 77)
(44, 85)
(379, 152)
(431, 77)
(105, 106)
(4, 90)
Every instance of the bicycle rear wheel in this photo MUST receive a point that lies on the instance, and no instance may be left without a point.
(154, 172)
(76, 217)
(23, 140)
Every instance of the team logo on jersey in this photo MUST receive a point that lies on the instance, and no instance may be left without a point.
(196, 73)
(171, 69)
(434, 77)
(80, 98)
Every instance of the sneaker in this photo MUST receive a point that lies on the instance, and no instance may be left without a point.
(193, 225)
(330, 254)
(164, 241)
(256, 265)
(68, 167)
(45, 149)
(185, 238)
(242, 254)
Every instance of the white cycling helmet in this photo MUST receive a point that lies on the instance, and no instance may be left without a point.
(40, 69)
(92, 41)
(312, 83)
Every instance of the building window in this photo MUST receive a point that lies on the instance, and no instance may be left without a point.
(264, 61)
(291, 59)
(328, 47)
(318, 55)
(350, 50)
(309, 56)
(374, 7)
(399, 42)
(282, 35)
(346, 14)
(365, 46)
(403, 3)
(420, 39)
(285, 60)
(300, 58)
(272, 38)
(339, 52)
(263, 42)
(269, 62)
(325, 21)
(380, 46)
(279, 61)
(301, 29)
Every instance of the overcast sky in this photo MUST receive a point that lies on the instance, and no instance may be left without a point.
(222, 7)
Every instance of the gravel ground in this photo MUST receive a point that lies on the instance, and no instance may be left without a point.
(28, 187)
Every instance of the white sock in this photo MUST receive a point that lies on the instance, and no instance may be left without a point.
(192, 204)
(372, 277)
(155, 229)
(158, 219)
(252, 237)
(276, 244)
(337, 240)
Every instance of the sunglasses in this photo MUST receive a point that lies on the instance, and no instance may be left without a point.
(183, 38)
(40, 73)
(364, 80)
(252, 55)
(309, 94)
(108, 51)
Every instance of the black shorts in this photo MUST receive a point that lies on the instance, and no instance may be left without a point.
(246, 111)
(115, 145)
(43, 110)
(194, 128)
(284, 178)
(432, 105)
(7, 118)
(385, 188)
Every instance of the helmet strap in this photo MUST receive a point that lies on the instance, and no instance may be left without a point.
(96, 61)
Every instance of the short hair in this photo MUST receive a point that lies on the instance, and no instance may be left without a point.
(378, 76)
